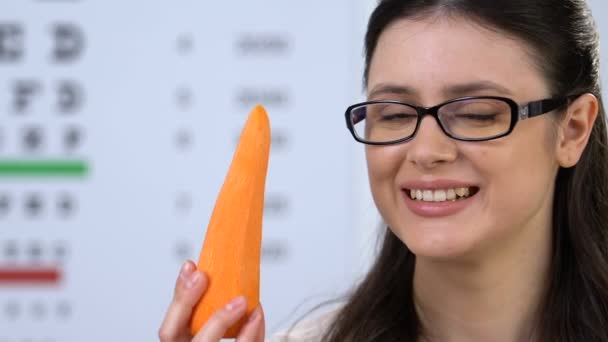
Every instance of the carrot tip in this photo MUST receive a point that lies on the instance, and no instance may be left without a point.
(259, 113)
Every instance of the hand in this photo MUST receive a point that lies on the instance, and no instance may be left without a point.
(190, 286)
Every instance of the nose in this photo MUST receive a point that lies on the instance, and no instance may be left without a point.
(430, 147)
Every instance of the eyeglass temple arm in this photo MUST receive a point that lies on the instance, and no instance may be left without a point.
(536, 108)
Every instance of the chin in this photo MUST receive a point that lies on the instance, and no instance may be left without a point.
(438, 246)
(437, 252)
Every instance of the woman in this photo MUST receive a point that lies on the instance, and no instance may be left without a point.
(487, 156)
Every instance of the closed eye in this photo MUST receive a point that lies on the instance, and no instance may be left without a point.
(398, 117)
(477, 117)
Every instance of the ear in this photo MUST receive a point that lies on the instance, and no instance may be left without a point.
(575, 129)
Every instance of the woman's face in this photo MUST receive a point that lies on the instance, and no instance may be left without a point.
(426, 62)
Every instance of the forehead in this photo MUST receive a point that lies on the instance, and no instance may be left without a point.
(431, 55)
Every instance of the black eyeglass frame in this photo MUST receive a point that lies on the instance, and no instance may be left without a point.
(518, 113)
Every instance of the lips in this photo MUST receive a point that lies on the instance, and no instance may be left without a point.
(439, 197)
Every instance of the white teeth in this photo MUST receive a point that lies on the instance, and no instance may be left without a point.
(451, 195)
(439, 195)
(462, 191)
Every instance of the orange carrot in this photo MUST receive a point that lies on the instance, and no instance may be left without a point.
(231, 252)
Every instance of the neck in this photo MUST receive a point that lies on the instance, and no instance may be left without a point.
(492, 298)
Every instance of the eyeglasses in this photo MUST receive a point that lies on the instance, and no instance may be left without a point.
(476, 118)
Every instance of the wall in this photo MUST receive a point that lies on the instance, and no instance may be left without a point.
(118, 121)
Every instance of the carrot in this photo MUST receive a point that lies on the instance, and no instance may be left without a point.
(231, 251)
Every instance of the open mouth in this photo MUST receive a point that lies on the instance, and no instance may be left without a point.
(442, 195)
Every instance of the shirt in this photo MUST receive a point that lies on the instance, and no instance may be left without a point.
(308, 330)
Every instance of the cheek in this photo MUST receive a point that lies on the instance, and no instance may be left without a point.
(383, 163)
(525, 158)
(518, 175)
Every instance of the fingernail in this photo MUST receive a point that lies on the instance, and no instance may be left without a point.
(236, 303)
(186, 270)
(194, 278)
(254, 315)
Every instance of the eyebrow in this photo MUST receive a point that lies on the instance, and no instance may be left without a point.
(455, 90)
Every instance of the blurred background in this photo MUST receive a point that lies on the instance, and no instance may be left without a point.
(118, 123)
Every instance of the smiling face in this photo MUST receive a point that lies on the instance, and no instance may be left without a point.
(510, 180)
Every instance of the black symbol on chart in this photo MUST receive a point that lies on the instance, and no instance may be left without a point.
(263, 44)
(70, 97)
(183, 97)
(35, 252)
(12, 310)
(185, 44)
(275, 251)
(10, 250)
(64, 309)
(69, 42)
(183, 202)
(183, 139)
(60, 251)
(32, 139)
(276, 205)
(38, 310)
(248, 97)
(183, 250)
(280, 139)
(33, 205)
(66, 205)
(5, 204)
(11, 42)
(72, 139)
(23, 93)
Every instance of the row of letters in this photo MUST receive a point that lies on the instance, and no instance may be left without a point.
(35, 205)
(34, 252)
(68, 95)
(13, 310)
(35, 139)
(68, 42)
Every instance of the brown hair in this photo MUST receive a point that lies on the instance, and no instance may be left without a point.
(565, 41)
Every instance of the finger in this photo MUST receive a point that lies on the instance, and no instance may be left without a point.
(253, 330)
(222, 320)
(189, 287)
(262, 331)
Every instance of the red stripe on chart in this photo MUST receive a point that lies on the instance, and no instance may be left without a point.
(10, 276)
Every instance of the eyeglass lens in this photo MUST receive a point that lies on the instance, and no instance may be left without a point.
(466, 119)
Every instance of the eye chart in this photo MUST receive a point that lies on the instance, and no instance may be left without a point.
(118, 123)
(119, 119)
